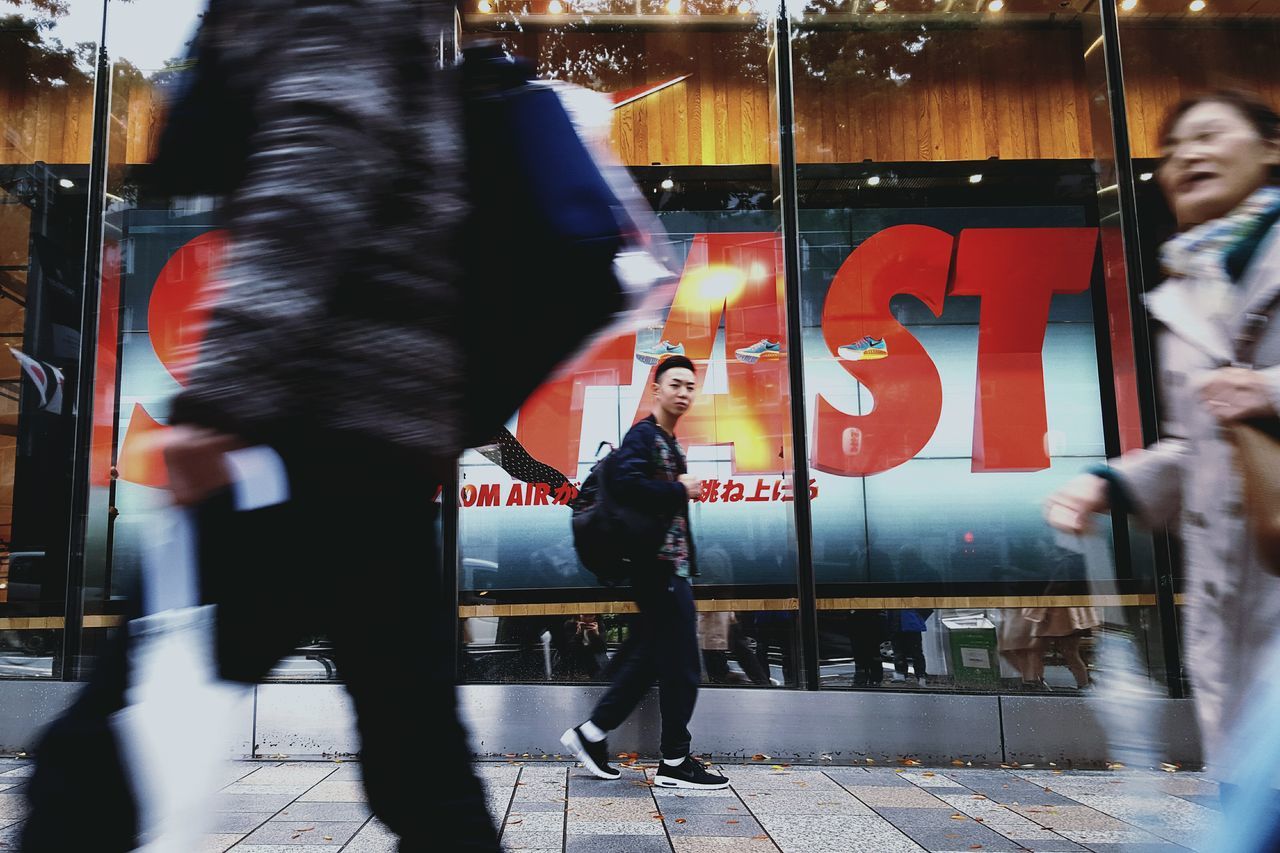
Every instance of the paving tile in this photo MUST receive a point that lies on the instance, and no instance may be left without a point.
(545, 840)
(678, 806)
(929, 779)
(835, 834)
(325, 811)
(841, 803)
(269, 803)
(241, 789)
(652, 826)
(282, 848)
(1052, 844)
(20, 771)
(961, 838)
(598, 808)
(1138, 847)
(318, 832)
(894, 796)
(631, 784)
(373, 838)
(335, 792)
(606, 843)
(526, 805)
(346, 771)
(1091, 838)
(10, 834)
(1208, 801)
(13, 805)
(534, 822)
(705, 844)
(217, 842)
(884, 776)
(714, 825)
(241, 822)
(1161, 814)
(1060, 818)
(305, 774)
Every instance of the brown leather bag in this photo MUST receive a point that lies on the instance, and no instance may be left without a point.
(1258, 454)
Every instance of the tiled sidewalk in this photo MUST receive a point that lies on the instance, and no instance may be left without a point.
(310, 807)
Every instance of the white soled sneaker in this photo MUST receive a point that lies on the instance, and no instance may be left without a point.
(594, 756)
(691, 775)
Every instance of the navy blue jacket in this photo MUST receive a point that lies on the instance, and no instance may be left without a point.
(637, 482)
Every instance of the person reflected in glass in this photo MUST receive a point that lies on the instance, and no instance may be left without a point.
(867, 630)
(1021, 648)
(648, 472)
(906, 632)
(582, 653)
(1063, 629)
(1218, 171)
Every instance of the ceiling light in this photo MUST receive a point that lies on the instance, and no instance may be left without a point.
(1146, 176)
(744, 7)
(668, 184)
(555, 7)
(485, 7)
(881, 5)
(873, 181)
(975, 179)
(1128, 5)
(995, 5)
(1196, 6)
(66, 183)
(673, 6)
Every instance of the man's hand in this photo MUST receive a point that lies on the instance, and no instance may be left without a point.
(1236, 394)
(196, 463)
(692, 485)
(1071, 508)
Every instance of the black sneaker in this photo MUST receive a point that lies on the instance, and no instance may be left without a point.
(691, 775)
(594, 756)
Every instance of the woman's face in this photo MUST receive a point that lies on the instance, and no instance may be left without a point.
(1213, 159)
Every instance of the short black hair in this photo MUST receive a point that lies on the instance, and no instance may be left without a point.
(674, 361)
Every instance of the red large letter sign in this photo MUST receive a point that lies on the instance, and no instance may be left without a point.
(904, 259)
(1016, 271)
(736, 276)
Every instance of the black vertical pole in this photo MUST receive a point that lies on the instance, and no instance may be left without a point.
(77, 520)
(1128, 210)
(790, 207)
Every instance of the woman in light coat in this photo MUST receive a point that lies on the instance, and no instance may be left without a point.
(1220, 155)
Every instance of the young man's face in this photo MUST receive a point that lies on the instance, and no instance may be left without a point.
(674, 390)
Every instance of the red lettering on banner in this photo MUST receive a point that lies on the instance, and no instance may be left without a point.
(1016, 271)
(737, 277)
(907, 392)
(550, 424)
(541, 494)
(515, 497)
(467, 496)
(760, 492)
(490, 495)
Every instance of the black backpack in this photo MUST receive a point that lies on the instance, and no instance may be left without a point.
(612, 539)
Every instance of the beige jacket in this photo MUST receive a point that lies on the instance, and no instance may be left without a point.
(1189, 480)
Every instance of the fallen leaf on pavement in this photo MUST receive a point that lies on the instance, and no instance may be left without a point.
(958, 816)
(681, 820)
(759, 757)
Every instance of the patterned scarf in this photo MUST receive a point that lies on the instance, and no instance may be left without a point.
(1211, 254)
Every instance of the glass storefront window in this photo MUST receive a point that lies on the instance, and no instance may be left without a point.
(48, 60)
(953, 304)
(695, 120)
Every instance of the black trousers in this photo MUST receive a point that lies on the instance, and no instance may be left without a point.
(352, 555)
(908, 648)
(662, 646)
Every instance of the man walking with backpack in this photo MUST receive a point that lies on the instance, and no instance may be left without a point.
(648, 474)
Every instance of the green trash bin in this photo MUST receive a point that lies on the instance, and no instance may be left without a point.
(975, 660)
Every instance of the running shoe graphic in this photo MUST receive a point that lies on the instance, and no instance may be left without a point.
(763, 348)
(866, 349)
(659, 351)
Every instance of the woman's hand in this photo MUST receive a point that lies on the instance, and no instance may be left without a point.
(1236, 394)
(1071, 508)
(196, 463)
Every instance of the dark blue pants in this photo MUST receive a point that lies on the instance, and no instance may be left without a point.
(662, 646)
